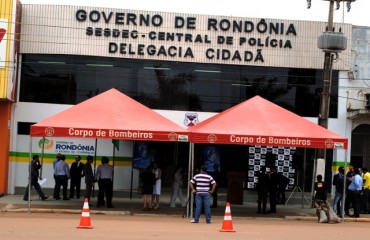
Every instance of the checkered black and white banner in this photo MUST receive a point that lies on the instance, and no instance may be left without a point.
(283, 157)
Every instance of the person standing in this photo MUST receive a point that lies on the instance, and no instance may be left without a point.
(57, 158)
(216, 176)
(355, 189)
(148, 181)
(273, 185)
(157, 186)
(201, 184)
(338, 182)
(283, 183)
(104, 176)
(262, 190)
(35, 166)
(89, 177)
(62, 176)
(177, 188)
(76, 174)
(366, 192)
(349, 197)
(321, 193)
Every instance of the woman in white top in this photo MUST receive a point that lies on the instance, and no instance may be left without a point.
(157, 186)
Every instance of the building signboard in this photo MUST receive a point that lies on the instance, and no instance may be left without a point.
(175, 37)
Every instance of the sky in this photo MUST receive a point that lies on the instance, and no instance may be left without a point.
(269, 9)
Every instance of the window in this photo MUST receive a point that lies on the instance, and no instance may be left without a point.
(66, 79)
(24, 128)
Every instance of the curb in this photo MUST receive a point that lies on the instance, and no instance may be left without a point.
(129, 213)
(291, 218)
(66, 211)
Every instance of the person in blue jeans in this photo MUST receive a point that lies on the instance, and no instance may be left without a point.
(339, 187)
(200, 185)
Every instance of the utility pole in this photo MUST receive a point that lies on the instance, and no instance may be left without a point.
(327, 76)
(331, 43)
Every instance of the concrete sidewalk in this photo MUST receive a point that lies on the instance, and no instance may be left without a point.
(133, 206)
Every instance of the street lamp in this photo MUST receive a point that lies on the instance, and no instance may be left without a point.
(338, 4)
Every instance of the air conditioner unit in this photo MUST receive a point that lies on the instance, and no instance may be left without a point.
(367, 100)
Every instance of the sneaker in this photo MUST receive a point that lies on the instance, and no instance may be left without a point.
(44, 198)
(208, 222)
(193, 221)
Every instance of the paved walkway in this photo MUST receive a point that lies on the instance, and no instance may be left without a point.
(133, 206)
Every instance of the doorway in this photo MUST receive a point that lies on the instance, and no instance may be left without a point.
(360, 146)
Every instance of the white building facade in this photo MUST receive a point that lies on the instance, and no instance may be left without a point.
(180, 65)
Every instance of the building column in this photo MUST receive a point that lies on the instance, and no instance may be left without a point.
(5, 116)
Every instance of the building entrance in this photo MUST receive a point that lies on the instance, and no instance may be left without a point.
(360, 147)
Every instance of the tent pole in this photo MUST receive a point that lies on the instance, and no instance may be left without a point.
(29, 176)
(113, 160)
(42, 156)
(304, 176)
(176, 154)
(344, 185)
(192, 173)
(189, 205)
(93, 188)
(132, 167)
(313, 177)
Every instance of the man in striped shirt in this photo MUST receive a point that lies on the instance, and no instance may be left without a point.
(201, 184)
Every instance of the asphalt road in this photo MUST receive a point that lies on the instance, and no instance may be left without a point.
(40, 226)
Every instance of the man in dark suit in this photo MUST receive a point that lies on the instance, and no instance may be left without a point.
(89, 177)
(76, 173)
(216, 176)
(273, 184)
(35, 166)
(262, 190)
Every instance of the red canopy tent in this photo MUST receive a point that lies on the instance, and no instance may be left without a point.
(259, 122)
(110, 115)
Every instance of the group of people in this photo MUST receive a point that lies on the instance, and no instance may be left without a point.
(178, 182)
(270, 185)
(78, 170)
(151, 180)
(202, 185)
(356, 182)
(356, 196)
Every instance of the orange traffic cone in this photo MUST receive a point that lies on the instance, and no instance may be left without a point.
(85, 217)
(227, 225)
